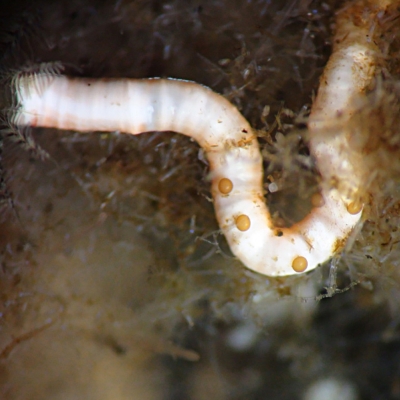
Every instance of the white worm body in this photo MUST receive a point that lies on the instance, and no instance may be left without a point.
(352, 67)
(137, 106)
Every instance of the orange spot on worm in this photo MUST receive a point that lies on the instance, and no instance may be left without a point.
(299, 264)
(243, 222)
(354, 207)
(225, 186)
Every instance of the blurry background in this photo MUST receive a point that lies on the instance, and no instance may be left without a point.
(114, 280)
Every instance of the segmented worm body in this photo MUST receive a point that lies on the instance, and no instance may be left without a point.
(137, 106)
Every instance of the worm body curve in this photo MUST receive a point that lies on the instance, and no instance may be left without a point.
(137, 106)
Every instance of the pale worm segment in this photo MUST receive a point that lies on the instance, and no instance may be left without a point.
(137, 106)
(350, 73)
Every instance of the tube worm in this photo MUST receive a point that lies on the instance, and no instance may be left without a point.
(137, 106)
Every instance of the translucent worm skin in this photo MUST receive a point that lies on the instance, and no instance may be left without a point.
(137, 106)
(355, 61)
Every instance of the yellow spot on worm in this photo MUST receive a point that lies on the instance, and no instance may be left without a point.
(299, 264)
(242, 222)
(225, 186)
(317, 200)
(354, 207)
